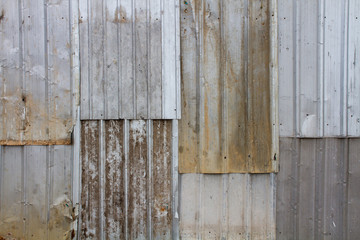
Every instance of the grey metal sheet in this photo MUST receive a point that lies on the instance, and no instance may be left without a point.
(129, 59)
(35, 192)
(38, 86)
(318, 70)
(227, 206)
(128, 184)
(316, 193)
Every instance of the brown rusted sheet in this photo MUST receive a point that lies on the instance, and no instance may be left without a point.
(126, 179)
(36, 85)
(138, 172)
(90, 192)
(226, 120)
(114, 211)
(161, 184)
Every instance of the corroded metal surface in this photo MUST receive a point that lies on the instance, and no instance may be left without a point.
(35, 193)
(129, 59)
(127, 179)
(38, 84)
(228, 122)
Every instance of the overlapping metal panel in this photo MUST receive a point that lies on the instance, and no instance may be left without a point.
(129, 186)
(318, 189)
(38, 73)
(318, 68)
(36, 198)
(130, 58)
(229, 87)
(227, 206)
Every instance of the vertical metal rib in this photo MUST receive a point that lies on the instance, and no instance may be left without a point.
(102, 177)
(126, 149)
(175, 181)
(149, 197)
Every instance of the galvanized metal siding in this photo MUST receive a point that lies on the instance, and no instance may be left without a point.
(318, 68)
(128, 184)
(229, 120)
(130, 59)
(318, 189)
(38, 74)
(227, 206)
(36, 199)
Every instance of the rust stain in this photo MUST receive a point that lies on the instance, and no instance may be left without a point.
(90, 180)
(233, 108)
(137, 189)
(2, 15)
(114, 211)
(161, 172)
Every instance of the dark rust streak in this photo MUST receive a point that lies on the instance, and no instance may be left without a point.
(2, 15)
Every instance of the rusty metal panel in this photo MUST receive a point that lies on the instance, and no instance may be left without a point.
(317, 189)
(39, 79)
(36, 200)
(127, 179)
(227, 206)
(130, 55)
(318, 74)
(229, 120)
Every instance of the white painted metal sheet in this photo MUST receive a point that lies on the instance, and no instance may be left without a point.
(318, 70)
(130, 59)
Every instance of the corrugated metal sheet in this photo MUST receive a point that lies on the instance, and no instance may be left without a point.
(130, 59)
(129, 181)
(318, 189)
(229, 86)
(36, 199)
(227, 206)
(318, 74)
(38, 74)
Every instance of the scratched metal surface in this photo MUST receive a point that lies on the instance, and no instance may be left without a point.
(128, 179)
(318, 68)
(130, 54)
(318, 189)
(39, 72)
(229, 110)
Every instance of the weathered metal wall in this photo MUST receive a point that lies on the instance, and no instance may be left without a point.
(318, 193)
(36, 198)
(129, 187)
(130, 59)
(38, 73)
(319, 91)
(227, 206)
(229, 95)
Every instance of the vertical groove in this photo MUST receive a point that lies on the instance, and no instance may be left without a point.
(248, 214)
(24, 188)
(296, 157)
(320, 71)
(46, 57)
(346, 191)
(47, 190)
(342, 73)
(150, 179)
(223, 81)
(296, 67)
(295, 128)
(133, 56)
(89, 57)
(175, 181)
(21, 58)
(323, 66)
(1, 174)
(102, 176)
(246, 75)
(162, 60)
(126, 150)
(148, 56)
(104, 76)
(119, 65)
(71, 61)
(344, 69)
